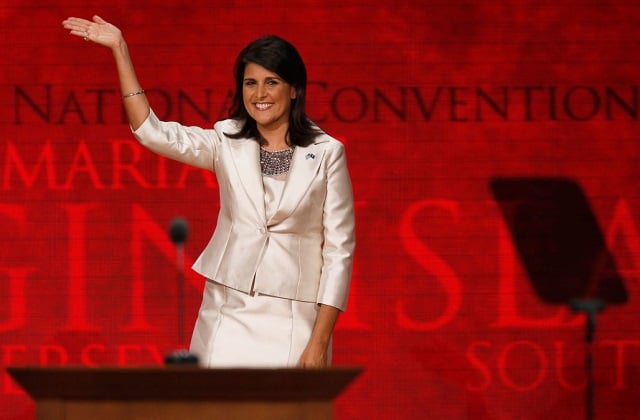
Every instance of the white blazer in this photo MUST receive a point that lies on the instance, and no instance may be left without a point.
(305, 250)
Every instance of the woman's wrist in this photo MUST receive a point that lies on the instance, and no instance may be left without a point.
(120, 48)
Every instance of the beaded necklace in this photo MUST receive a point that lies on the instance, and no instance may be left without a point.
(275, 163)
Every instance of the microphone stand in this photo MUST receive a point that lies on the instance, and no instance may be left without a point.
(590, 307)
(180, 287)
(178, 235)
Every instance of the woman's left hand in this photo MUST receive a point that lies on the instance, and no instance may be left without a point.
(314, 356)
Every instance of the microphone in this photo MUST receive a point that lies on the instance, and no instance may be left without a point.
(178, 232)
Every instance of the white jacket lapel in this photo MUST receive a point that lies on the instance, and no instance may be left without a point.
(246, 157)
(304, 167)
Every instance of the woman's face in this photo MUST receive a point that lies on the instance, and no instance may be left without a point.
(267, 97)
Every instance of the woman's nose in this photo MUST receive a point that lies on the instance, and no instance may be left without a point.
(261, 91)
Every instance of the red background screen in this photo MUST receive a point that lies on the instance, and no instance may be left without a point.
(432, 99)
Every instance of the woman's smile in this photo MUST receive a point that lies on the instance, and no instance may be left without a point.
(267, 98)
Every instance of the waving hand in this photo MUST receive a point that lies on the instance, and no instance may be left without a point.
(102, 32)
(97, 30)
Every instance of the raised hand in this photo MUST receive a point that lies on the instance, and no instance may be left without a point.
(96, 30)
(102, 32)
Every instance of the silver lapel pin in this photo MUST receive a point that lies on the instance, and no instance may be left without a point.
(310, 156)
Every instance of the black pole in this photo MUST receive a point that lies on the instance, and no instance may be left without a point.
(590, 307)
(178, 235)
(180, 287)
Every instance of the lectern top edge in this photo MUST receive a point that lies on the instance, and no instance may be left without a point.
(183, 383)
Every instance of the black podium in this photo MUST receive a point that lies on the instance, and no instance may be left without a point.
(179, 392)
(562, 249)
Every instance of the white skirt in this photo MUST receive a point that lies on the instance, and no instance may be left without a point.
(235, 329)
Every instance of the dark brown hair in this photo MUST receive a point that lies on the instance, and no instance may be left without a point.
(281, 57)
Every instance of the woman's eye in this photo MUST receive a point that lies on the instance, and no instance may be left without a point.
(249, 83)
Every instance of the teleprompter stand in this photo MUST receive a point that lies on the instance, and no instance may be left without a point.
(563, 251)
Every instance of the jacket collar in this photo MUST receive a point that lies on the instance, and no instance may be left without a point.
(246, 157)
(304, 167)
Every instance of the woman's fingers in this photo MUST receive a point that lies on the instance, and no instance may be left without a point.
(74, 23)
(97, 30)
(77, 26)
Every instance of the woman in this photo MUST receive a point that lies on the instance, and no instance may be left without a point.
(278, 265)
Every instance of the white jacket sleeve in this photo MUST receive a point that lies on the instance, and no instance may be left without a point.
(339, 237)
(191, 145)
